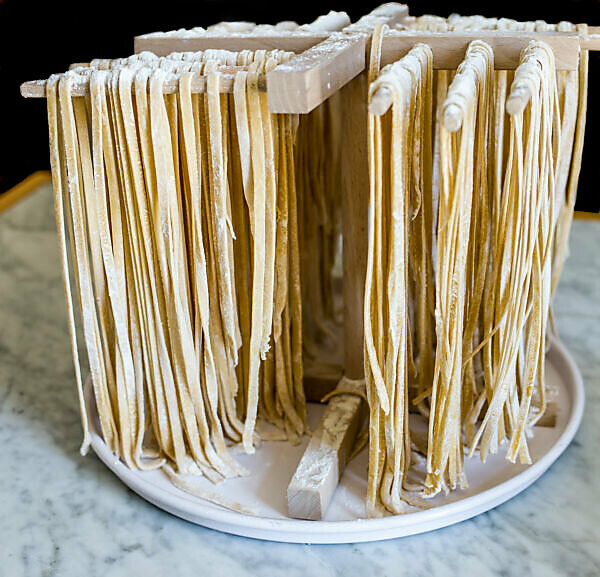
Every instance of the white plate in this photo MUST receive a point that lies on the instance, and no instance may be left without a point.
(273, 464)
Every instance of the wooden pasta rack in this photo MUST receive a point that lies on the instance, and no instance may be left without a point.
(326, 63)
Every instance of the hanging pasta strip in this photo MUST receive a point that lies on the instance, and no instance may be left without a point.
(81, 264)
(222, 247)
(478, 258)
(215, 366)
(165, 420)
(420, 241)
(225, 462)
(295, 298)
(192, 154)
(284, 391)
(293, 310)
(226, 375)
(444, 453)
(258, 215)
(528, 185)
(138, 222)
(490, 295)
(223, 419)
(566, 213)
(97, 269)
(221, 219)
(375, 385)
(58, 181)
(111, 243)
(177, 392)
(239, 166)
(540, 295)
(131, 273)
(283, 374)
(395, 187)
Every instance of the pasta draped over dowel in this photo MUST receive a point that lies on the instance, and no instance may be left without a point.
(467, 236)
(183, 221)
(400, 174)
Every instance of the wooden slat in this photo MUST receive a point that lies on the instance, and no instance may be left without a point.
(449, 47)
(591, 40)
(308, 79)
(163, 45)
(37, 88)
(355, 200)
(324, 460)
(318, 473)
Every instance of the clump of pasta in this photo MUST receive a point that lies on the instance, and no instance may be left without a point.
(183, 220)
(467, 230)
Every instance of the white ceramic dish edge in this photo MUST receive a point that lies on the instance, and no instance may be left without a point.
(360, 530)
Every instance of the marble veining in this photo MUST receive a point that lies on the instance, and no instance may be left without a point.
(65, 515)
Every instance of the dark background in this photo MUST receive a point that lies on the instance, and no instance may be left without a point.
(39, 38)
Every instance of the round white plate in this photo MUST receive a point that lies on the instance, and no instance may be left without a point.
(273, 464)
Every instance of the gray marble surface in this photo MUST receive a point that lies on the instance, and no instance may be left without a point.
(63, 514)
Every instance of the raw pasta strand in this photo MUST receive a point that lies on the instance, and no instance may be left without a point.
(389, 351)
(457, 152)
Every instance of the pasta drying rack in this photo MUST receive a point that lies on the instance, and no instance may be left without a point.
(325, 63)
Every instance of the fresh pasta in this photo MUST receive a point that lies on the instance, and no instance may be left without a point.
(485, 207)
(184, 229)
(201, 235)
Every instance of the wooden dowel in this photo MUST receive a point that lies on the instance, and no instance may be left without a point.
(381, 101)
(518, 98)
(37, 88)
(452, 117)
(591, 40)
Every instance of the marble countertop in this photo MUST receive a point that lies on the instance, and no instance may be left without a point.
(66, 515)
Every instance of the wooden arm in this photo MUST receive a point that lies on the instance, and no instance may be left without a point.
(37, 88)
(308, 79)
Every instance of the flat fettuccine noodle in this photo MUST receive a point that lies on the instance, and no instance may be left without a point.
(387, 323)
(493, 201)
(183, 221)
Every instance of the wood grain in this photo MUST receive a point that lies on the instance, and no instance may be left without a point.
(289, 41)
(37, 88)
(449, 47)
(308, 79)
(355, 201)
(324, 460)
